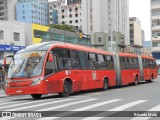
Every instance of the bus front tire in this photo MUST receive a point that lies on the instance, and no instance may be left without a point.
(66, 89)
(36, 96)
(105, 85)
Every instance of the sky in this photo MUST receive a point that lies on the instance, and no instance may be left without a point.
(141, 10)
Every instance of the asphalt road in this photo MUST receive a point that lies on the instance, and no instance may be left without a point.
(122, 103)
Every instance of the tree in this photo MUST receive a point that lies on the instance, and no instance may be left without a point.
(63, 27)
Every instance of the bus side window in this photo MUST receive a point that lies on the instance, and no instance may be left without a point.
(92, 61)
(126, 63)
(110, 64)
(154, 64)
(122, 63)
(101, 62)
(83, 60)
(130, 63)
(144, 63)
(64, 59)
(75, 61)
(135, 60)
(52, 67)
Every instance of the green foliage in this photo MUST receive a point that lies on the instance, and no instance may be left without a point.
(63, 27)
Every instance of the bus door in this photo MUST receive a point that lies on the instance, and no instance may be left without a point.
(125, 72)
(93, 72)
(75, 71)
(50, 70)
(83, 60)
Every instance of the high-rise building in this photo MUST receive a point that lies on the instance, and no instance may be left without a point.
(155, 29)
(71, 15)
(55, 11)
(155, 25)
(32, 11)
(106, 16)
(7, 9)
(65, 14)
(135, 31)
(69, 2)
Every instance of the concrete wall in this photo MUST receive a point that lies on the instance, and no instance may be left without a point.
(8, 28)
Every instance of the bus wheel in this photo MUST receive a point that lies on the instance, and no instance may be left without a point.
(36, 96)
(66, 89)
(105, 85)
(136, 81)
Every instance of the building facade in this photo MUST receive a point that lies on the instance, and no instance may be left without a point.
(7, 9)
(135, 31)
(69, 2)
(37, 33)
(32, 11)
(55, 10)
(155, 25)
(106, 16)
(12, 38)
(71, 15)
(155, 29)
(102, 40)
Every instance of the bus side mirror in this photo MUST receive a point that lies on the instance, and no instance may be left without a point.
(50, 57)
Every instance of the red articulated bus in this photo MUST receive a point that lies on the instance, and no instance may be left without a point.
(63, 68)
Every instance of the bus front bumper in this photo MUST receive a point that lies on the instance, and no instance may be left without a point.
(25, 90)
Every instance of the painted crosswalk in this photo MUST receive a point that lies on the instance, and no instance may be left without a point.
(72, 105)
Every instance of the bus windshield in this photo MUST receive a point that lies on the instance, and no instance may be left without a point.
(26, 64)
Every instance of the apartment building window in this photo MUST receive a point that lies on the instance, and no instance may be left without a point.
(99, 39)
(109, 38)
(76, 9)
(1, 35)
(76, 21)
(70, 21)
(63, 22)
(70, 15)
(62, 16)
(76, 15)
(16, 36)
(70, 9)
(62, 10)
(155, 44)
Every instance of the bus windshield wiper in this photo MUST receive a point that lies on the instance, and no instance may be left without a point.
(18, 69)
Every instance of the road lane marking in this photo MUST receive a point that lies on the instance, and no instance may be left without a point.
(84, 108)
(125, 106)
(120, 108)
(6, 102)
(65, 105)
(157, 108)
(31, 106)
(96, 105)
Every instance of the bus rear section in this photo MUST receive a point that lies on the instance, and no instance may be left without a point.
(149, 68)
(129, 68)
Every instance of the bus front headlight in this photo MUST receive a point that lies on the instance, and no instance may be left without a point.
(37, 81)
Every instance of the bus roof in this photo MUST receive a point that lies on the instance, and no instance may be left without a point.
(49, 45)
(148, 57)
(127, 54)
